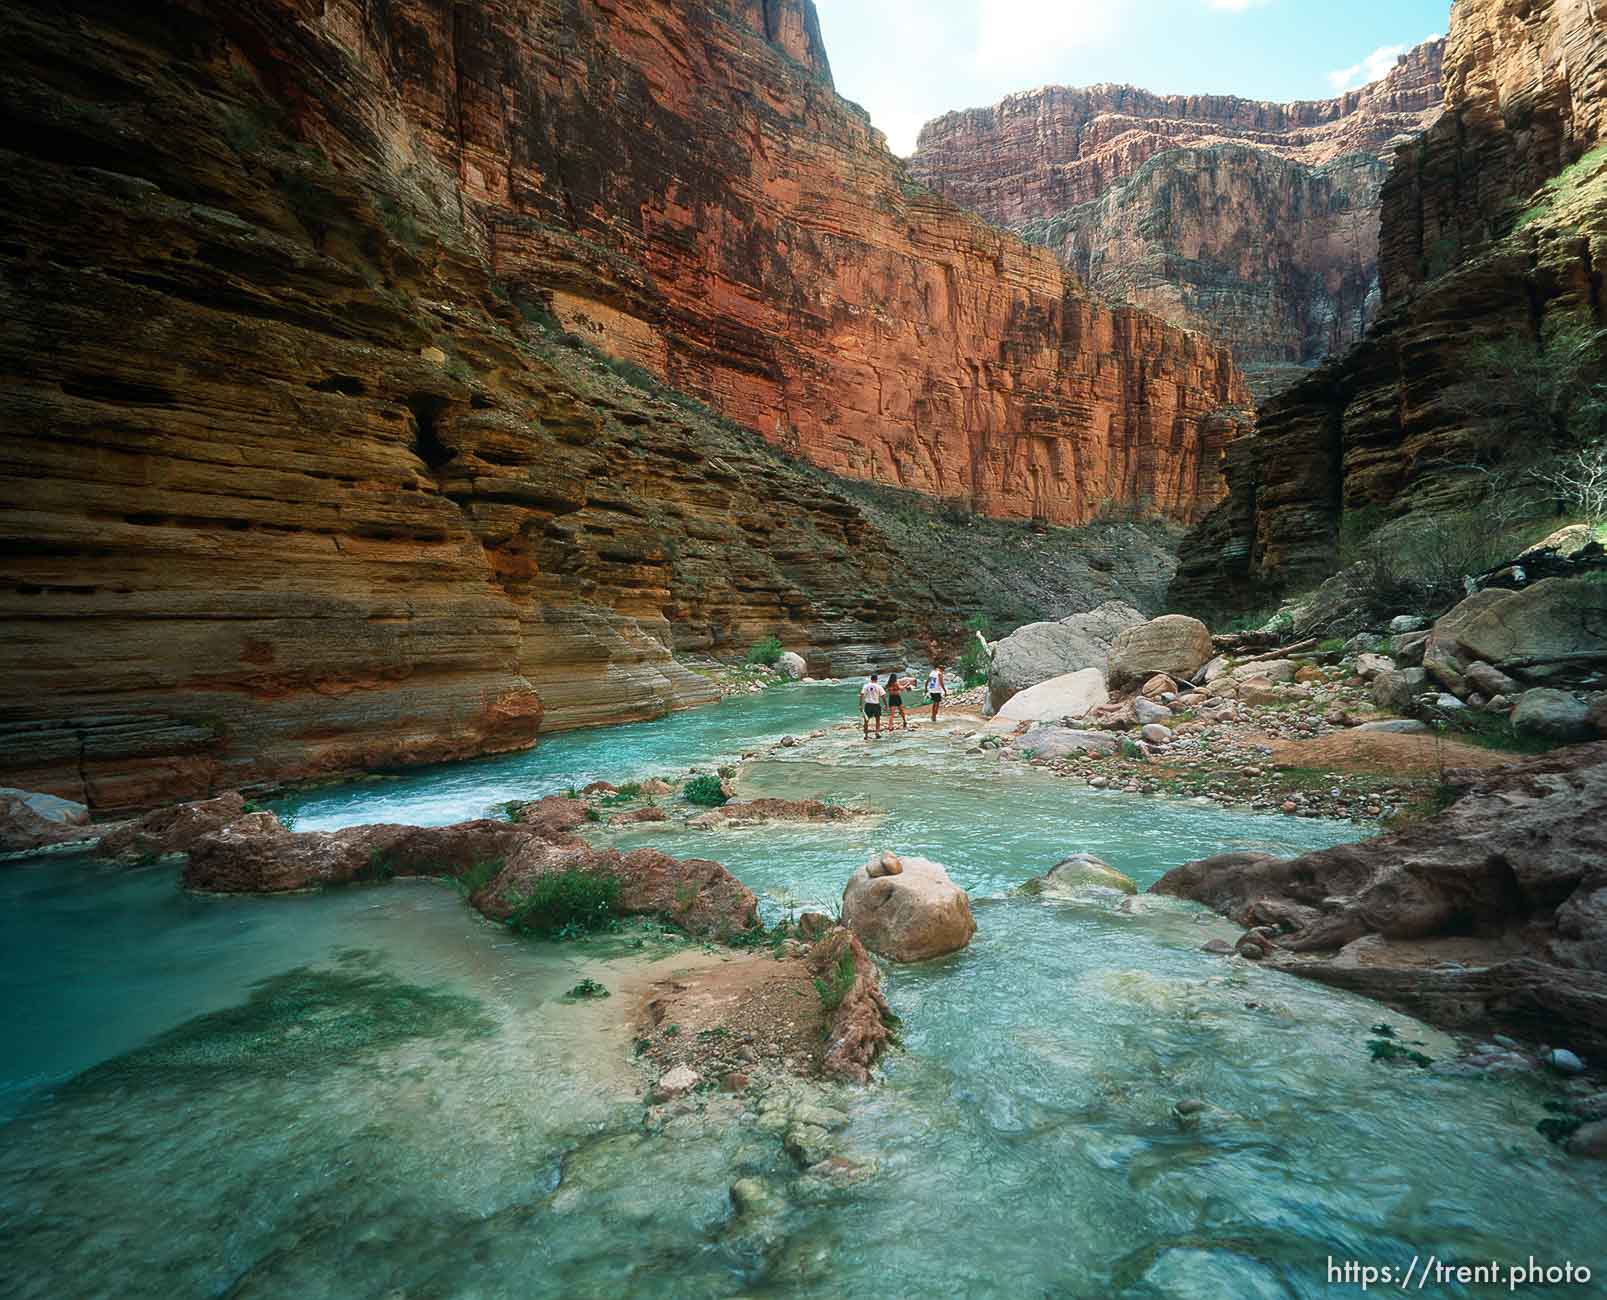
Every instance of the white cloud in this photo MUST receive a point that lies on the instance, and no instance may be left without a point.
(1237, 6)
(1374, 66)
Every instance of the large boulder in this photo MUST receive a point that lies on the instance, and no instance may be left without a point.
(1552, 628)
(791, 665)
(30, 820)
(917, 914)
(1397, 689)
(1173, 644)
(1039, 651)
(1553, 715)
(1071, 695)
(1445, 654)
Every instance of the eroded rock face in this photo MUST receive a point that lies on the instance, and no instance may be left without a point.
(858, 1029)
(912, 916)
(1255, 222)
(1464, 259)
(254, 854)
(1518, 865)
(298, 488)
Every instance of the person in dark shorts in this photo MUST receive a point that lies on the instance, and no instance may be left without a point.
(896, 684)
(936, 689)
(870, 705)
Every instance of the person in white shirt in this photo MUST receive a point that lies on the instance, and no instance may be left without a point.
(936, 689)
(870, 705)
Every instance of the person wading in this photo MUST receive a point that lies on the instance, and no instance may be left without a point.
(936, 690)
(870, 704)
(895, 698)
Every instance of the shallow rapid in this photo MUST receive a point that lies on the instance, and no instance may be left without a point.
(376, 1092)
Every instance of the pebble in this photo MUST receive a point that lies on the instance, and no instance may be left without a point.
(1189, 1106)
(1565, 1062)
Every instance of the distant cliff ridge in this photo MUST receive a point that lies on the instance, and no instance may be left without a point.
(1494, 227)
(1254, 222)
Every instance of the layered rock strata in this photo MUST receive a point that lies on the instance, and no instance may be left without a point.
(1255, 222)
(1472, 253)
(298, 480)
(1491, 914)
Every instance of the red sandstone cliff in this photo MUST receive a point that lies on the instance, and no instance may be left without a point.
(299, 477)
(1255, 222)
(1494, 225)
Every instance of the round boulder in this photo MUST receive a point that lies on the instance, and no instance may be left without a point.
(917, 914)
(1085, 871)
(1173, 644)
(791, 665)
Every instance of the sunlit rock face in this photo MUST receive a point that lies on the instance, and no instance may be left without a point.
(1492, 229)
(1255, 222)
(307, 470)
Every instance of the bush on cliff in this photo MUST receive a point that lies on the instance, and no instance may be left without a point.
(766, 653)
(567, 903)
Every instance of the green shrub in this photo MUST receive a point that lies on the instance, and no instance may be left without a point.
(630, 790)
(477, 876)
(587, 988)
(704, 791)
(833, 991)
(567, 903)
(766, 653)
(973, 663)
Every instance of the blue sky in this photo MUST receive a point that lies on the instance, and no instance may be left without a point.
(910, 60)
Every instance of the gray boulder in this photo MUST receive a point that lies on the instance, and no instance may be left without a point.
(1552, 715)
(1174, 644)
(791, 665)
(1490, 682)
(1397, 689)
(1542, 631)
(1039, 651)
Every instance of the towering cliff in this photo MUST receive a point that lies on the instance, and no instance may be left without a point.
(1255, 222)
(301, 476)
(1493, 223)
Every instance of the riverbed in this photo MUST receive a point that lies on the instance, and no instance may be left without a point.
(375, 1092)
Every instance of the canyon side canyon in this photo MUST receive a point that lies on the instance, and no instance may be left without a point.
(1256, 223)
(392, 382)
(1491, 233)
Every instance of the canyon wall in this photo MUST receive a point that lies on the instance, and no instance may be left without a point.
(300, 477)
(1493, 224)
(1252, 221)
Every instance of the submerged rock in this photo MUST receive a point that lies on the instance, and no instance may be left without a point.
(1083, 871)
(913, 916)
(755, 812)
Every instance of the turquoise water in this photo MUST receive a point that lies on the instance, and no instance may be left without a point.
(405, 1108)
